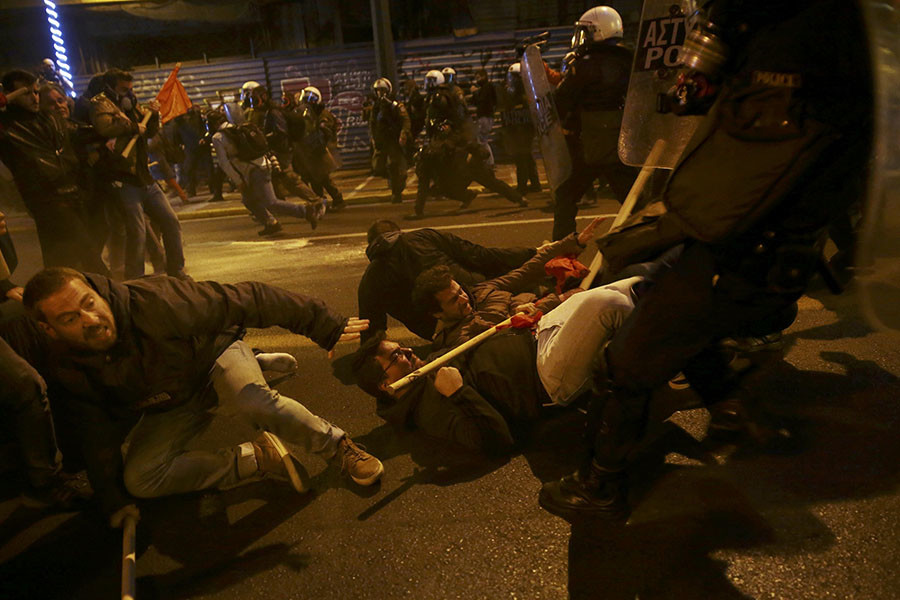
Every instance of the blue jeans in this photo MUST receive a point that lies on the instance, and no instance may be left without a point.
(157, 463)
(261, 199)
(571, 335)
(135, 200)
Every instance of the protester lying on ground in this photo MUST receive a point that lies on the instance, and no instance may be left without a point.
(396, 259)
(462, 313)
(500, 385)
(157, 356)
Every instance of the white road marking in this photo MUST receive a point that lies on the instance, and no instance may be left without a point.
(343, 236)
(359, 187)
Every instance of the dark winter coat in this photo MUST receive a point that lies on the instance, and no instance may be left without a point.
(397, 258)
(170, 333)
(502, 392)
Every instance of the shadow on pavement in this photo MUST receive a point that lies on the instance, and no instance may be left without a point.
(845, 448)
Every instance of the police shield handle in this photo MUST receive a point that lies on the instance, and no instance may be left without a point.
(445, 358)
(539, 93)
(129, 568)
(134, 138)
(627, 207)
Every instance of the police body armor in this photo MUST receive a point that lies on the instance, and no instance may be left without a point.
(602, 75)
(782, 152)
(387, 122)
(442, 106)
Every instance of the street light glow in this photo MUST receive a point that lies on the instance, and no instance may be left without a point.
(59, 44)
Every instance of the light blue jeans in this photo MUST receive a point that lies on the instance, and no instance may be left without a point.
(570, 335)
(157, 463)
(135, 201)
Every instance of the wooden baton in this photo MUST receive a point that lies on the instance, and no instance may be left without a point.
(627, 207)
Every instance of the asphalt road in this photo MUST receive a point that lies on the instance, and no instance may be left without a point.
(818, 520)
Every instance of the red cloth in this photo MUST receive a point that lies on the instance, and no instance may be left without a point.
(523, 321)
(173, 99)
(565, 268)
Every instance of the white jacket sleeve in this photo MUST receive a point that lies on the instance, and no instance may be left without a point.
(219, 144)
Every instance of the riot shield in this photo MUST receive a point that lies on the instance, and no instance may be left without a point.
(664, 26)
(539, 93)
(879, 241)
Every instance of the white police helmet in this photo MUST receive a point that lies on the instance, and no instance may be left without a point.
(433, 79)
(382, 86)
(596, 25)
(311, 95)
(449, 74)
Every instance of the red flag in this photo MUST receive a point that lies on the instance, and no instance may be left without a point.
(173, 99)
(565, 269)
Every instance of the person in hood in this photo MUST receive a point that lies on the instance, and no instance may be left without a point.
(396, 258)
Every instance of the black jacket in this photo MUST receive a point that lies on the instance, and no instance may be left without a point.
(38, 149)
(170, 333)
(502, 392)
(397, 258)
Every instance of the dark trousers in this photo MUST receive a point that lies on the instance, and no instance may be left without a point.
(64, 235)
(526, 171)
(391, 160)
(620, 178)
(675, 327)
(23, 396)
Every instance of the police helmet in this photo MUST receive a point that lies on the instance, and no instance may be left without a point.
(311, 95)
(433, 79)
(514, 78)
(449, 74)
(596, 25)
(382, 87)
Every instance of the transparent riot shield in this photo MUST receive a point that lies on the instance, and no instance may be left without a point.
(539, 93)
(878, 284)
(664, 26)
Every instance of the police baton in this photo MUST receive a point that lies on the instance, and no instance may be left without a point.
(627, 206)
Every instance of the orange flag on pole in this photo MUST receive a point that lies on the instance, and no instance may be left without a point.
(173, 99)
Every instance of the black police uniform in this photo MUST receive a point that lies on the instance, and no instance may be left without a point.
(388, 121)
(591, 100)
(780, 154)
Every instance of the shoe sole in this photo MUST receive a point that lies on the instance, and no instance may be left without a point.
(287, 460)
(372, 478)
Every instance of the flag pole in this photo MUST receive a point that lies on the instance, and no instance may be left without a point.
(445, 358)
(148, 114)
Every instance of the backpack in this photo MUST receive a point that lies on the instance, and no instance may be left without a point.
(249, 140)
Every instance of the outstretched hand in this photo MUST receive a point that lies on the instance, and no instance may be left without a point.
(351, 331)
(589, 232)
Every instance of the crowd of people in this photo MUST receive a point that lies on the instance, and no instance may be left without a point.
(722, 256)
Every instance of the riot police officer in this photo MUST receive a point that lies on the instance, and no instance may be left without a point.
(517, 130)
(590, 99)
(442, 106)
(781, 152)
(318, 150)
(390, 131)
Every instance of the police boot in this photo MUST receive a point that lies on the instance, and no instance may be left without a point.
(591, 492)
